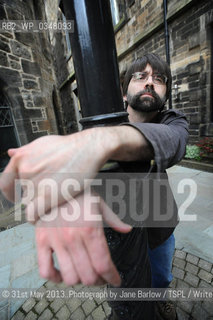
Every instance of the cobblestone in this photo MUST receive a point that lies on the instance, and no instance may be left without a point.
(198, 312)
(18, 316)
(63, 313)
(204, 284)
(191, 258)
(208, 306)
(205, 265)
(78, 314)
(191, 279)
(57, 304)
(31, 316)
(206, 276)
(180, 254)
(188, 271)
(28, 305)
(46, 315)
(41, 305)
(185, 306)
(179, 263)
(73, 304)
(98, 313)
(178, 273)
(191, 268)
(88, 306)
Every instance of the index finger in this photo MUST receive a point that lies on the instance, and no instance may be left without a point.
(99, 253)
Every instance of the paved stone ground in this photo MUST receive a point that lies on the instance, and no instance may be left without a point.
(189, 272)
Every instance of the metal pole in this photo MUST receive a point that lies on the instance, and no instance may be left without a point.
(95, 62)
(167, 43)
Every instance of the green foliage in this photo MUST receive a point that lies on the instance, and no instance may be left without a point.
(193, 152)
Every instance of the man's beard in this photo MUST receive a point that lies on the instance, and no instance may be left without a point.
(145, 104)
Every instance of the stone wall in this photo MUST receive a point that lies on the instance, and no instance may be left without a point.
(26, 69)
(28, 81)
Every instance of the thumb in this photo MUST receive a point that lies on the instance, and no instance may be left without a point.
(112, 219)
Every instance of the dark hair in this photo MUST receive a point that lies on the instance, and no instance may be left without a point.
(157, 64)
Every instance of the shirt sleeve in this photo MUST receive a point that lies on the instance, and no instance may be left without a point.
(168, 138)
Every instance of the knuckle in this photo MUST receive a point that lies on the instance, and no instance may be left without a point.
(103, 267)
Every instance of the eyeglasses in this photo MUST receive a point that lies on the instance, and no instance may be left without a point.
(159, 79)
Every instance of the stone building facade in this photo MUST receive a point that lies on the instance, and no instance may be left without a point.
(28, 92)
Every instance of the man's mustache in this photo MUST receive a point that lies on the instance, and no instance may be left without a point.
(147, 90)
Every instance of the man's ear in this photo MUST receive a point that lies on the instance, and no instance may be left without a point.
(125, 102)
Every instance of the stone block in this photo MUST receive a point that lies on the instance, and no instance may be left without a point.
(31, 67)
(3, 59)
(11, 77)
(180, 254)
(38, 101)
(192, 259)
(178, 273)
(191, 279)
(206, 276)
(63, 313)
(78, 314)
(73, 304)
(20, 50)
(18, 316)
(13, 58)
(208, 306)
(182, 315)
(28, 305)
(31, 316)
(186, 306)
(41, 306)
(4, 46)
(179, 263)
(98, 313)
(191, 268)
(88, 306)
(205, 265)
(198, 312)
(29, 84)
(15, 65)
(44, 125)
(46, 315)
(57, 304)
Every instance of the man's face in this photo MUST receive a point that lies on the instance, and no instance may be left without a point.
(145, 94)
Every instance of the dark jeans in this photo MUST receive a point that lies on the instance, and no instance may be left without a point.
(130, 255)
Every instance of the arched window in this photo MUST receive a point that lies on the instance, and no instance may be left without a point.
(8, 135)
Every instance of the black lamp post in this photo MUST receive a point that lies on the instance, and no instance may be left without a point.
(95, 62)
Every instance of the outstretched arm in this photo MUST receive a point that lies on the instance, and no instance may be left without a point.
(56, 157)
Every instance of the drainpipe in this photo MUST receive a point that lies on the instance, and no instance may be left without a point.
(95, 62)
(167, 43)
